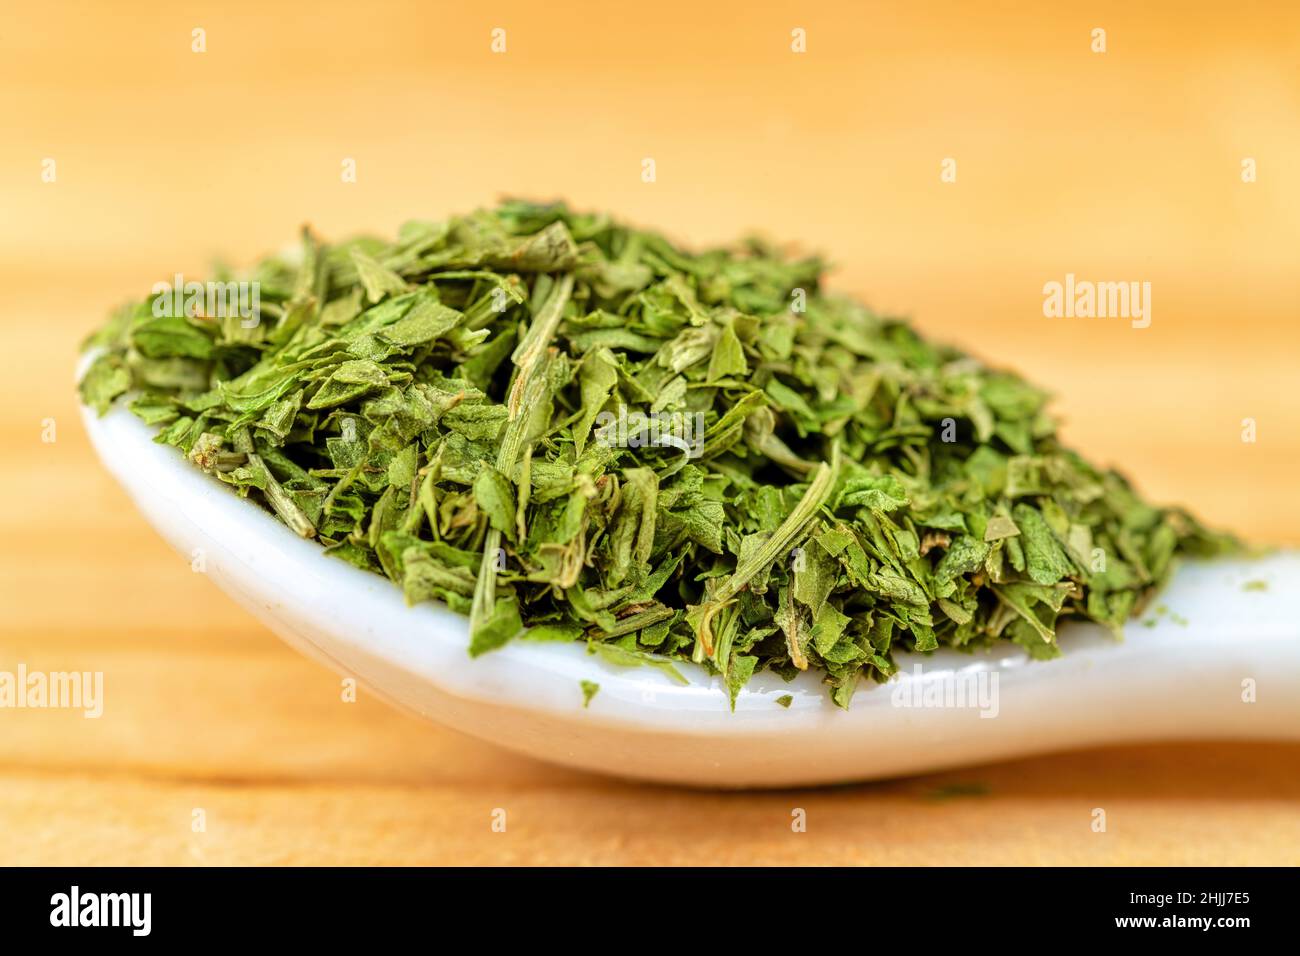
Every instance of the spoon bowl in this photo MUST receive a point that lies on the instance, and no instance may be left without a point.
(1219, 657)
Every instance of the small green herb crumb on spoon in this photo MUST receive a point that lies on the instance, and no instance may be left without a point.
(576, 430)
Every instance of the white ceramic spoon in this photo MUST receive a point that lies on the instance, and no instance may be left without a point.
(1222, 661)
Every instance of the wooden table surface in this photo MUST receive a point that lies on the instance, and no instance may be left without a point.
(1117, 166)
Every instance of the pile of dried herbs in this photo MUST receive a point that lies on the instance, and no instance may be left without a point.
(574, 430)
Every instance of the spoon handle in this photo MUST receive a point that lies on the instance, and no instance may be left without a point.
(1217, 655)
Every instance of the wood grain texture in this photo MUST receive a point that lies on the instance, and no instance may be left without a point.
(1119, 168)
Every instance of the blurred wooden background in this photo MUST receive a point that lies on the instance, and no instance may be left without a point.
(1123, 165)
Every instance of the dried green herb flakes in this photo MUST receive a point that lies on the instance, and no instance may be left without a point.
(574, 430)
